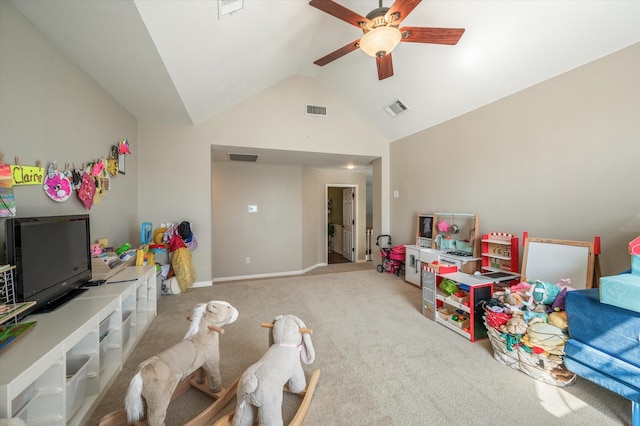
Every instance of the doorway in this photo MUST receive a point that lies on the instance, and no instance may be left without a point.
(341, 225)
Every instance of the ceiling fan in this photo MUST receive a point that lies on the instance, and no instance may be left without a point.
(381, 33)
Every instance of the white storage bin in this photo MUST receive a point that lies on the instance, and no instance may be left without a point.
(24, 397)
(104, 328)
(76, 386)
(103, 349)
(126, 326)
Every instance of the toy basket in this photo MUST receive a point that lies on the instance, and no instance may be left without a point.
(548, 369)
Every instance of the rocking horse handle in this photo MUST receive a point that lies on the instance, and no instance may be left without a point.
(302, 330)
(212, 327)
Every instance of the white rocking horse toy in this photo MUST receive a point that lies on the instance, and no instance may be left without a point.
(197, 355)
(260, 389)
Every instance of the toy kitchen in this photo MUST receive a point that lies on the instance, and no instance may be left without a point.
(444, 237)
(456, 238)
(451, 238)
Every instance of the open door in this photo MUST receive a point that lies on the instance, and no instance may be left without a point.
(348, 223)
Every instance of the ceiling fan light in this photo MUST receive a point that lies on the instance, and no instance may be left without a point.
(380, 41)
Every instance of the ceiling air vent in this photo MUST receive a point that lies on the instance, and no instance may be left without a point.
(317, 110)
(251, 158)
(227, 7)
(396, 108)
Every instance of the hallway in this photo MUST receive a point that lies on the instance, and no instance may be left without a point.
(335, 257)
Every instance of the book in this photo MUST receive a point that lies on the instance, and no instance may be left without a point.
(10, 333)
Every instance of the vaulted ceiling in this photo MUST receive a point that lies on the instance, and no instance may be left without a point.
(179, 61)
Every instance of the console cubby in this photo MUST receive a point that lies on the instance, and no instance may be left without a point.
(33, 383)
(460, 314)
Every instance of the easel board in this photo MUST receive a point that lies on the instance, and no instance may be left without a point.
(553, 260)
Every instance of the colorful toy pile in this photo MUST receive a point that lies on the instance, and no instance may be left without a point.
(527, 326)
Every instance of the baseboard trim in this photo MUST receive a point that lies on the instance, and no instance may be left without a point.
(208, 283)
(269, 275)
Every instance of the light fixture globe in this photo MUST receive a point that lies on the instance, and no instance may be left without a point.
(380, 41)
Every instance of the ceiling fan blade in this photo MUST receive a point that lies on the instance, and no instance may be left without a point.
(385, 66)
(431, 35)
(339, 11)
(338, 53)
(402, 8)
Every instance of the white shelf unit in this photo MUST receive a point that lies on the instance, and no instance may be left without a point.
(500, 253)
(33, 373)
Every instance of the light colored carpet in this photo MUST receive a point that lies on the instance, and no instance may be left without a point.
(381, 361)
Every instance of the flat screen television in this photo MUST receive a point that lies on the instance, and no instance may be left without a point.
(52, 258)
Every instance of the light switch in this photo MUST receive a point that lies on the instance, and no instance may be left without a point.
(253, 208)
(396, 194)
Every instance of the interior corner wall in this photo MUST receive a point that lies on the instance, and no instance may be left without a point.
(51, 111)
(175, 184)
(311, 218)
(558, 160)
(377, 197)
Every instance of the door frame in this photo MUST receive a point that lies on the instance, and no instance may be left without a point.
(355, 215)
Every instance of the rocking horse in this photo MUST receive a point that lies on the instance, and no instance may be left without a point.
(164, 377)
(259, 393)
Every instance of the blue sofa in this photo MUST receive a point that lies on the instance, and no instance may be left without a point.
(604, 345)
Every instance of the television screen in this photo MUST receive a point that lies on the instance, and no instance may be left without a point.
(425, 226)
(51, 255)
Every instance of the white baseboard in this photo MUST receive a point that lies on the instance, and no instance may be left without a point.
(269, 275)
(208, 283)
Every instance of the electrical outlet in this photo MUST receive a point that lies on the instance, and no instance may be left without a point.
(247, 260)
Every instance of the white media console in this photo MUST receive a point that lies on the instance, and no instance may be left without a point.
(40, 378)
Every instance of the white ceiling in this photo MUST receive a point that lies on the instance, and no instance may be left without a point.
(177, 61)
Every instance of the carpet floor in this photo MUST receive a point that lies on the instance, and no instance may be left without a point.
(381, 361)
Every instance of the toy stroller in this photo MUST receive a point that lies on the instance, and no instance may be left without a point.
(392, 256)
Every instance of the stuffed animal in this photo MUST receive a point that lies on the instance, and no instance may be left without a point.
(259, 396)
(544, 292)
(515, 325)
(559, 319)
(158, 376)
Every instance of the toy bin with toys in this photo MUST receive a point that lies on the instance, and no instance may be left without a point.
(527, 327)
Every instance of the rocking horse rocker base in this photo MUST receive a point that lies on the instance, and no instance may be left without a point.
(307, 394)
(221, 400)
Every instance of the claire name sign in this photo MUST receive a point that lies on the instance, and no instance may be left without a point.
(27, 175)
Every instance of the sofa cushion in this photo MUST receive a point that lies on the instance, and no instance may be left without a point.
(612, 330)
(598, 367)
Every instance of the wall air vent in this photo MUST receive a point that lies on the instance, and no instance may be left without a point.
(396, 108)
(251, 158)
(227, 7)
(317, 110)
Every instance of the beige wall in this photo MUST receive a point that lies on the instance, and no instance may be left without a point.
(288, 233)
(50, 110)
(177, 161)
(271, 237)
(558, 160)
